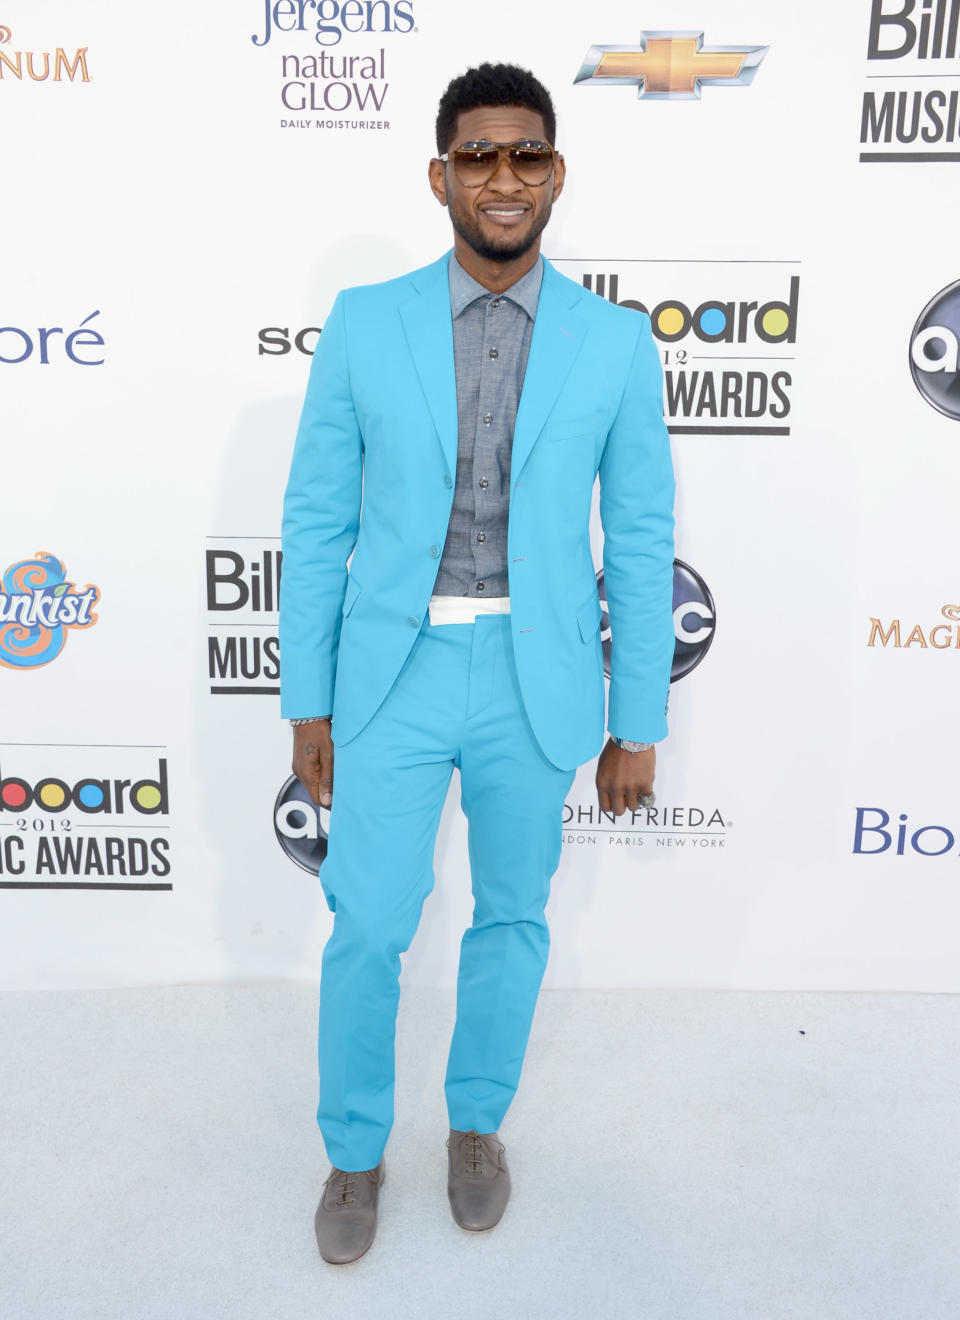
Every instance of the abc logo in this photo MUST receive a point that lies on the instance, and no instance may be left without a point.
(302, 827)
(694, 616)
(934, 352)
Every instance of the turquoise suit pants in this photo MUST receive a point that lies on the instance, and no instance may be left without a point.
(455, 703)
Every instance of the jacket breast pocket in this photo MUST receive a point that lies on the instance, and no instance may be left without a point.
(572, 428)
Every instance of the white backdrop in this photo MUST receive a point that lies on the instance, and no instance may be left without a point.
(165, 195)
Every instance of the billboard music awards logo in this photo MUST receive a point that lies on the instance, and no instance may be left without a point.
(41, 65)
(911, 112)
(37, 608)
(727, 333)
(83, 817)
(935, 351)
(242, 582)
(331, 77)
(671, 66)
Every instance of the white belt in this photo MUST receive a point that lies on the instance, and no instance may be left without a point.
(464, 609)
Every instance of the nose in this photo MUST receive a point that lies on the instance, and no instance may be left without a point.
(503, 179)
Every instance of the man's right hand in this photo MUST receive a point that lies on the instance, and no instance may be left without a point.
(313, 759)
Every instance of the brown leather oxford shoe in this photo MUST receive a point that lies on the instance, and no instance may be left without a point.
(478, 1181)
(346, 1218)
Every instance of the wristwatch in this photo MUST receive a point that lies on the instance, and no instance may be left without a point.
(629, 746)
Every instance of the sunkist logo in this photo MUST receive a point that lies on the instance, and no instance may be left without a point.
(37, 608)
(39, 66)
(916, 42)
(671, 66)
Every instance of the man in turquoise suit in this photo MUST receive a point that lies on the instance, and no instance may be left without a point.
(472, 404)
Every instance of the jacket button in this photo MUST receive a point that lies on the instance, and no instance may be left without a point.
(447, 479)
(413, 621)
(434, 552)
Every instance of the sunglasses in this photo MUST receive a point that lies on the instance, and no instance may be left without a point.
(476, 162)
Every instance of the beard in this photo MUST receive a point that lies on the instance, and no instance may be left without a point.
(503, 249)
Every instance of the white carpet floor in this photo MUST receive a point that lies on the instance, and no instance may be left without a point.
(675, 1156)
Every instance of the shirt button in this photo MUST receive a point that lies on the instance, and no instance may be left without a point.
(481, 536)
(487, 418)
(494, 352)
(434, 551)
(447, 479)
(413, 621)
(495, 303)
(481, 586)
(484, 483)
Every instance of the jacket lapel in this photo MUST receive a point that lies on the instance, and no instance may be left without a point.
(428, 327)
(558, 334)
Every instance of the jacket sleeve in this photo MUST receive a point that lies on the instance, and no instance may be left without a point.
(636, 510)
(321, 518)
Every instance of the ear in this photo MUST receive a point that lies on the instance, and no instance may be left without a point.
(559, 176)
(437, 174)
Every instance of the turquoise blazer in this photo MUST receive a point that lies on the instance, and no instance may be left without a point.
(379, 431)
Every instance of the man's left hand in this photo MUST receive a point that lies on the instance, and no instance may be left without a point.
(623, 776)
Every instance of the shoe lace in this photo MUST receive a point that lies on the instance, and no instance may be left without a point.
(344, 1184)
(474, 1154)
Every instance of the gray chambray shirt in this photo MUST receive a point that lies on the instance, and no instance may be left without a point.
(491, 342)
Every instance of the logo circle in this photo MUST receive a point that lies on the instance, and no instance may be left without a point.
(694, 620)
(935, 350)
(302, 828)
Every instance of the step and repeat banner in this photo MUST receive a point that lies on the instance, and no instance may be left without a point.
(187, 186)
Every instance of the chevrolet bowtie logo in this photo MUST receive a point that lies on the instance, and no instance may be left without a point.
(672, 66)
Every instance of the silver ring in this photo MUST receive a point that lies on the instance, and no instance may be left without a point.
(646, 799)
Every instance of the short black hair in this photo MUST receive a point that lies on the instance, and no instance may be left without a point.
(493, 84)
